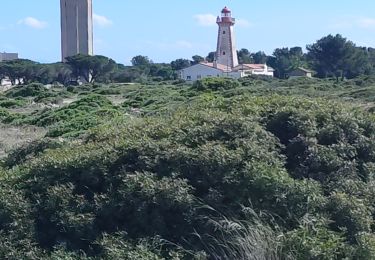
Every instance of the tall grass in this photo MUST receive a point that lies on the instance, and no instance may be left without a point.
(250, 239)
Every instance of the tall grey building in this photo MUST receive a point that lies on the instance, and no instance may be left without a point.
(76, 27)
(5, 56)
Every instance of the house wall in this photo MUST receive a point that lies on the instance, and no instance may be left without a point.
(263, 72)
(300, 73)
(246, 71)
(199, 71)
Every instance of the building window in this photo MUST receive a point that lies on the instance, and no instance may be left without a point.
(223, 52)
(223, 32)
(199, 77)
(188, 77)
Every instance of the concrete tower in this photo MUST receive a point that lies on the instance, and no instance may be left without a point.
(226, 52)
(76, 27)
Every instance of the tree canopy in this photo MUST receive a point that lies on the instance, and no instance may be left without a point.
(336, 56)
(140, 60)
(90, 68)
(330, 56)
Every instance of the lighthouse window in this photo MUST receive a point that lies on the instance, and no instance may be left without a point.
(223, 52)
(223, 32)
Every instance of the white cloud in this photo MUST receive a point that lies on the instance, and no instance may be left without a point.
(341, 25)
(205, 19)
(184, 44)
(354, 23)
(168, 45)
(366, 23)
(33, 23)
(243, 23)
(101, 21)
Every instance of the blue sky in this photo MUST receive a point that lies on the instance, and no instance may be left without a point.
(166, 30)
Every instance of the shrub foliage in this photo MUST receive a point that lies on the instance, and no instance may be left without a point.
(200, 175)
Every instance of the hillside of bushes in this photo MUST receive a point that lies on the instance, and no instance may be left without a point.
(221, 169)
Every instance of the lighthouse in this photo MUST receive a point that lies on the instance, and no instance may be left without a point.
(226, 52)
(225, 63)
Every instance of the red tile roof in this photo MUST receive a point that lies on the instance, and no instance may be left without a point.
(218, 66)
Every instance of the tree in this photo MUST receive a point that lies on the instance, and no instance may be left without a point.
(371, 56)
(62, 73)
(91, 67)
(211, 56)
(285, 60)
(127, 74)
(140, 60)
(20, 70)
(161, 71)
(2, 73)
(336, 56)
(359, 64)
(180, 64)
(244, 56)
(197, 59)
(259, 57)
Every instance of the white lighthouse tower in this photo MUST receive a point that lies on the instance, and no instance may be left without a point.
(226, 52)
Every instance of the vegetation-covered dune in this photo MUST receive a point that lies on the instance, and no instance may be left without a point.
(222, 169)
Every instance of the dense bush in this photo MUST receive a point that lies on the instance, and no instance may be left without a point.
(77, 117)
(234, 171)
(30, 90)
(12, 103)
(108, 91)
(215, 84)
(161, 186)
(51, 97)
(30, 150)
(152, 99)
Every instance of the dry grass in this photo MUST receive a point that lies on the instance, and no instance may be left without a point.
(12, 137)
(244, 240)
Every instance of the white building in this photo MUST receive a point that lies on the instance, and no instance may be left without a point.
(76, 27)
(226, 59)
(6, 56)
(254, 69)
(205, 70)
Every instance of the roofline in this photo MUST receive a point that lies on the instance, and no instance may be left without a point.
(204, 64)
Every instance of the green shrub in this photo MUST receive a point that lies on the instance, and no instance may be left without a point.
(30, 90)
(316, 242)
(29, 151)
(79, 108)
(116, 247)
(51, 97)
(70, 88)
(307, 163)
(12, 103)
(215, 84)
(108, 91)
(77, 117)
